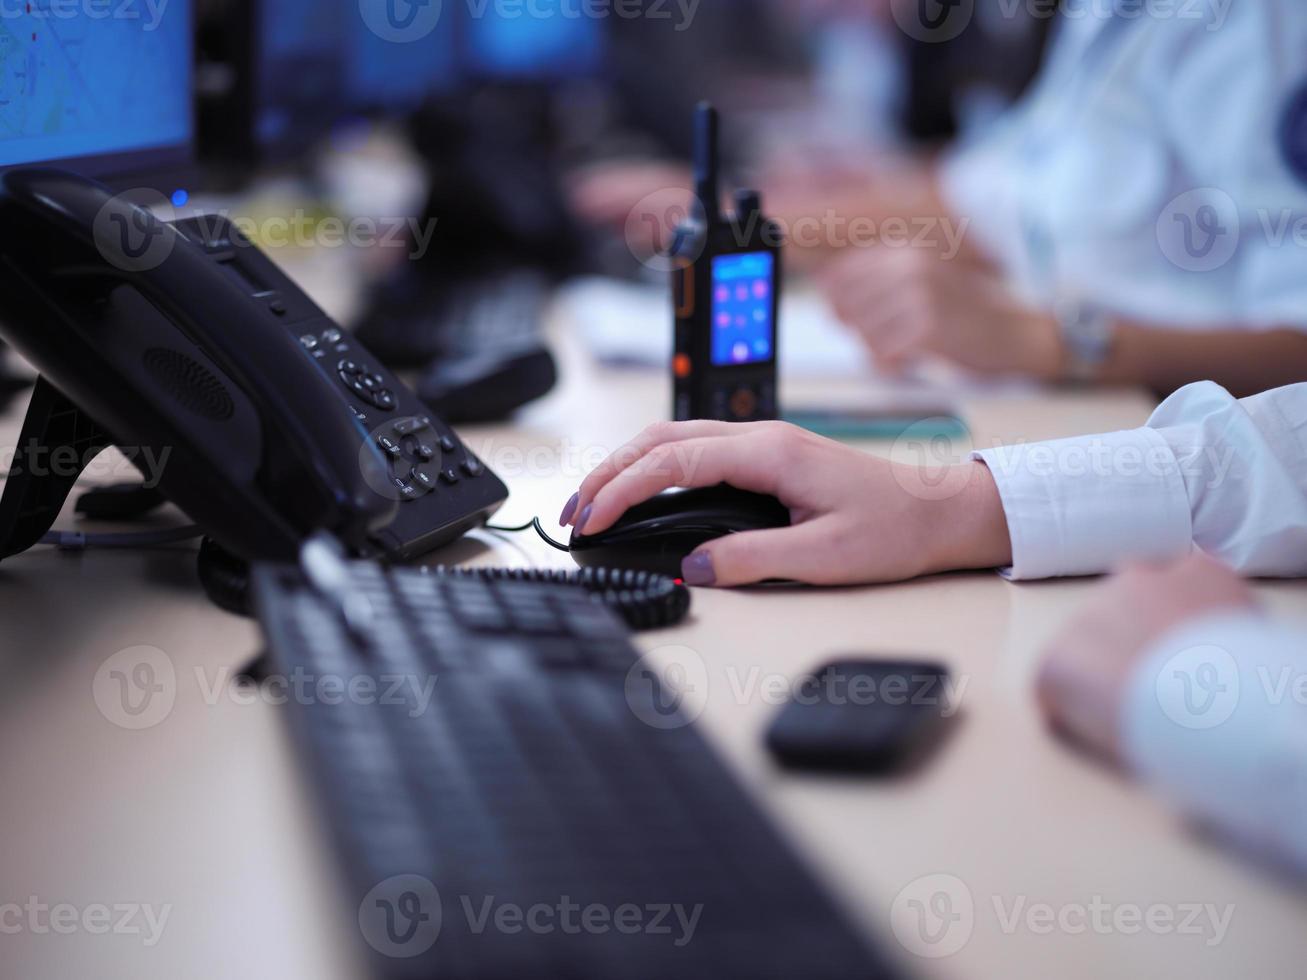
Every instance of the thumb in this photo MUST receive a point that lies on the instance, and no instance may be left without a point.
(789, 553)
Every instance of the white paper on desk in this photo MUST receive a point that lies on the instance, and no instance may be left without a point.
(631, 324)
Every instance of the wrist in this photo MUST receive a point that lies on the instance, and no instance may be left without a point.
(1048, 355)
(968, 530)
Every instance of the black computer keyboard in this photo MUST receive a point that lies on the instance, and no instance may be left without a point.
(507, 813)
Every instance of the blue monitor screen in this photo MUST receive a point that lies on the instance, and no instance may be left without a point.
(542, 39)
(94, 80)
(743, 305)
(299, 72)
(399, 52)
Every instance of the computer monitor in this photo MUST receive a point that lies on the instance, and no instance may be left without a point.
(546, 40)
(104, 89)
(394, 68)
(298, 73)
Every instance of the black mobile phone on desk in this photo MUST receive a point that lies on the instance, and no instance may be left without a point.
(726, 280)
(184, 341)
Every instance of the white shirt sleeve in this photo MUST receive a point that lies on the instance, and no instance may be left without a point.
(1225, 475)
(1215, 720)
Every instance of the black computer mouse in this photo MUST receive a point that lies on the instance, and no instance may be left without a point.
(657, 535)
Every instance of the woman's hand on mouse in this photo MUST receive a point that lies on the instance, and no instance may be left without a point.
(857, 518)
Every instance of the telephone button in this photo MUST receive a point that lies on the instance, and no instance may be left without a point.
(384, 399)
(744, 404)
(473, 467)
(309, 341)
(390, 446)
(407, 427)
(347, 367)
(447, 444)
(425, 452)
(332, 336)
(425, 477)
(449, 475)
(278, 307)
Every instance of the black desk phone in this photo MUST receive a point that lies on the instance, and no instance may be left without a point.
(184, 341)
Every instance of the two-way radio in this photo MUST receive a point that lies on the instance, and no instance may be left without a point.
(726, 280)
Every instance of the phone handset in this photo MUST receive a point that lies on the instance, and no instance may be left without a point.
(313, 448)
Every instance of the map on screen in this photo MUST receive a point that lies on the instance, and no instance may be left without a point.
(93, 78)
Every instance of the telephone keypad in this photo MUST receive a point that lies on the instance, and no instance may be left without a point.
(366, 384)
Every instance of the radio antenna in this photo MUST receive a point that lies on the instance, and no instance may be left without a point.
(706, 162)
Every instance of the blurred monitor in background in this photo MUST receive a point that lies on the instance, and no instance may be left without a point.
(296, 72)
(553, 42)
(398, 76)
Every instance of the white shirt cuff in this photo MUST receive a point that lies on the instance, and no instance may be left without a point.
(1082, 506)
(1214, 720)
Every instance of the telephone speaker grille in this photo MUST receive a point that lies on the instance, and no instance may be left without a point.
(190, 384)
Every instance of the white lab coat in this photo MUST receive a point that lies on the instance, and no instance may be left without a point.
(1145, 170)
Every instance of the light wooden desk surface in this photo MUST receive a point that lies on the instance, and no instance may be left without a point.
(205, 812)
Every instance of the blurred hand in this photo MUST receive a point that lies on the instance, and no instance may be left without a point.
(605, 194)
(857, 518)
(829, 203)
(909, 302)
(1082, 682)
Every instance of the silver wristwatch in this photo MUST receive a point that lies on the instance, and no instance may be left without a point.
(1087, 338)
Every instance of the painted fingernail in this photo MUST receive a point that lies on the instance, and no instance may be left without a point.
(698, 570)
(584, 518)
(570, 509)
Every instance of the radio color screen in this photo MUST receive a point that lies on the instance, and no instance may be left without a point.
(743, 323)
